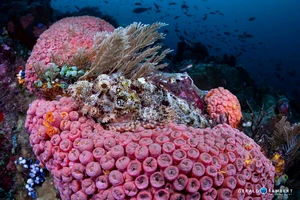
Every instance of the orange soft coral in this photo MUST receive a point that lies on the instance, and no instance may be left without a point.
(223, 104)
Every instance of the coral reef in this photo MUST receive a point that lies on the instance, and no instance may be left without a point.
(223, 106)
(68, 41)
(173, 160)
(115, 99)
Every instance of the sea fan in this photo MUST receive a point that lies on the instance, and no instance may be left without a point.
(130, 51)
(286, 137)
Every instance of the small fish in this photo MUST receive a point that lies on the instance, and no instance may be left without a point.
(227, 33)
(138, 4)
(251, 19)
(166, 31)
(184, 6)
(185, 32)
(77, 7)
(176, 17)
(172, 3)
(212, 13)
(204, 18)
(278, 68)
(140, 10)
(186, 68)
(157, 7)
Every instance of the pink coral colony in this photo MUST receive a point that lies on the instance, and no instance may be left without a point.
(165, 161)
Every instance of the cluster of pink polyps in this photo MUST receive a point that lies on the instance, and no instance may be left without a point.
(170, 162)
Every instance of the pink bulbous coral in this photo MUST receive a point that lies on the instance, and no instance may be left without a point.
(222, 105)
(61, 43)
(169, 162)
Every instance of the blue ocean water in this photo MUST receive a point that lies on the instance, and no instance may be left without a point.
(262, 34)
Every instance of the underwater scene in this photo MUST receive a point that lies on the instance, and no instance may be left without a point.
(141, 99)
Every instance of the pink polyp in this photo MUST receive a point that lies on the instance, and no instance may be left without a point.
(64, 134)
(198, 170)
(134, 168)
(98, 152)
(230, 170)
(74, 155)
(211, 171)
(229, 182)
(179, 142)
(255, 177)
(193, 154)
(144, 195)
(210, 194)
(78, 171)
(205, 158)
(48, 146)
(130, 149)
(180, 182)
(118, 193)
(88, 186)
(149, 165)
(218, 179)
(154, 150)
(247, 174)
(162, 194)
(176, 196)
(239, 164)
(205, 183)
(75, 185)
(161, 139)
(178, 155)
(117, 151)
(146, 133)
(220, 146)
(55, 139)
(193, 142)
(74, 116)
(130, 189)
(85, 157)
(106, 195)
(98, 141)
(86, 132)
(93, 169)
(141, 153)
(86, 145)
(214, 151)
(102, 182)
(136, 137)
(142, 182)
(185, 147)
(115, 177)
(185, 166)
(66, 174)
(202, 147)
(122, 163)
(230, 148)
(164, 160)
(193, 185)
(231, 157)
(79, 195)
(145, 141)
(248, 188)
(175, 134)
(239, 194)
(223, 159)
(75, 125)
(65, 145)
(107, 162)
(209, 142)
(171, 173)
(194, 196)
(240, 180)
(168, 147)
(224, 194)
(216, 162)
(157, 180)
